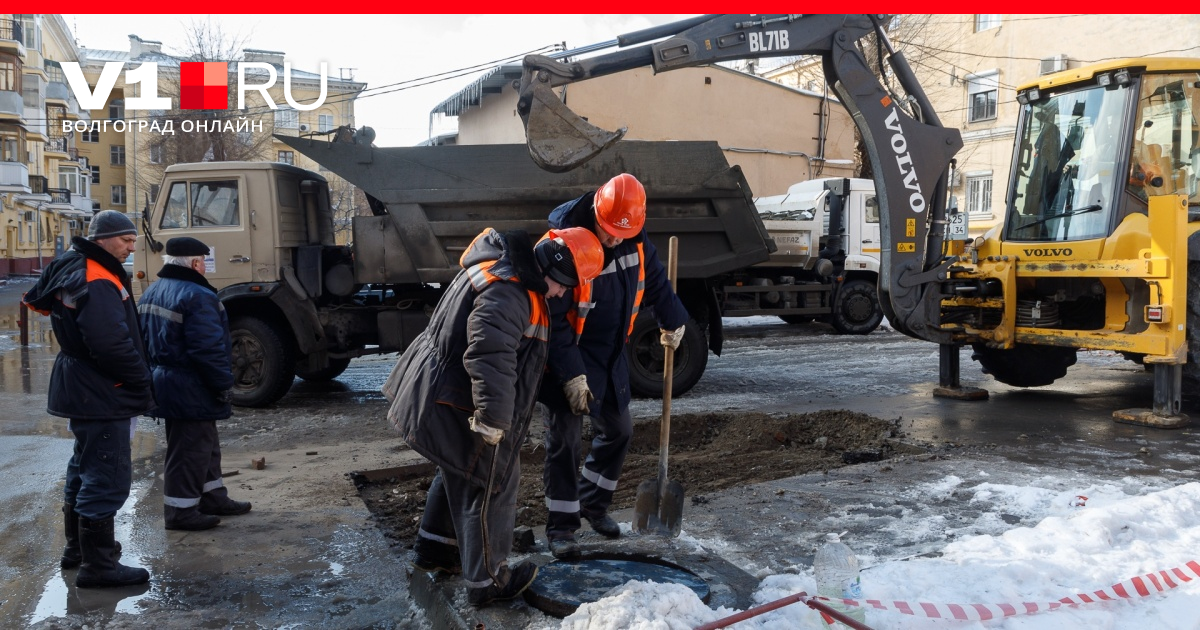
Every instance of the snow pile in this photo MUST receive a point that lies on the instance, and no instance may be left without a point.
(1072, 550)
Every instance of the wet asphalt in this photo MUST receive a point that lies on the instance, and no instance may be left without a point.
(308, 555)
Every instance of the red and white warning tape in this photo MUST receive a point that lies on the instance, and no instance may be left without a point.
(1140, 586)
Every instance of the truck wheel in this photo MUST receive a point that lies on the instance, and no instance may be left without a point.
(1191, 370)
(264, 363)
(856, 309)
(332, 370)
(645, 356)
(1025, 365)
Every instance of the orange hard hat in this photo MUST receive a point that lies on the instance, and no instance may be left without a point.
(570, 256)
(621, 206)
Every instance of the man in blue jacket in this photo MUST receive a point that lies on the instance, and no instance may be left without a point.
(588, 372)
(100, 382)
(187, 336)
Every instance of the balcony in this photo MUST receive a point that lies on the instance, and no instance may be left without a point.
(82, 204)
(38, 184)
(13, 176)
(59, 196)
(35, 122)
(56, 146)
(12, 34)
(58, 90)
(12, 106)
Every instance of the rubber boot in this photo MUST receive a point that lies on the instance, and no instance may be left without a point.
(100, 567)
(188, 519)
(71, 556)
(223, 506)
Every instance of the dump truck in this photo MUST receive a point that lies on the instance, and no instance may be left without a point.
(301, 305)
(1100, 248)
(826, 263)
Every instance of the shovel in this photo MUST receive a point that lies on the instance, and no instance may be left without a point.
(659, 506)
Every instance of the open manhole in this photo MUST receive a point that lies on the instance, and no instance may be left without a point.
(562, 587)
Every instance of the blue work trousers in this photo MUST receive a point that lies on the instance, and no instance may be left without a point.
(100, 471)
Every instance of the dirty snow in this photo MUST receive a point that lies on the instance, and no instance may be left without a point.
(1077, 546)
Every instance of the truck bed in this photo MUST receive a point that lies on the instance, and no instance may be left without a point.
(439, 198)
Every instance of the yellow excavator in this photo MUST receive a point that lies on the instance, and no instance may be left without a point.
(1099, 248)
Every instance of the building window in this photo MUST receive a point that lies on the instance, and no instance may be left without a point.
(68, 178)
(985, 22)
(287, 157)
(156, 152)
(153, 193)
(287, 119)
(116, 155)
(979, 194)
(10, 75)
(32, 32)
(325, 122)
(91, 135)
(95, 174)
(116, 109)
(982, 91)
(118, 195)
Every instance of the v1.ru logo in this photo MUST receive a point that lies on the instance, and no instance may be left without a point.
(203, 85)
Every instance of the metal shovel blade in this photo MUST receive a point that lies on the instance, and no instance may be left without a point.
(656, 514)
(558, 139)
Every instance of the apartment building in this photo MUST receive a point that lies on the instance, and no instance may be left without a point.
(44, 196)
(971, 65)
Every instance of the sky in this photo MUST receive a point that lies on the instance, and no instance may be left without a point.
(382, 50)
(1121, 531)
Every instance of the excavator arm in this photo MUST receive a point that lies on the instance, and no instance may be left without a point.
(909, 149)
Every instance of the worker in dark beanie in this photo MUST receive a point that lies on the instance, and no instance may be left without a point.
(100, 382)
(187, 337)
(109, 224)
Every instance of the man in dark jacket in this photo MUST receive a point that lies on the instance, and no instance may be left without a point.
(463, 393)
(187, 336)
(100, 382)
(588, 372)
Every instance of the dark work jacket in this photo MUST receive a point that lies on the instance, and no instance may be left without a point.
(483, 352)
(600, 351)
(187, 337)
(101, 371)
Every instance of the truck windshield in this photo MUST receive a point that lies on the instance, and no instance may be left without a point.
(1065, 178)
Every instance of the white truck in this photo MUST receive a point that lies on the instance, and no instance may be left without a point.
(826, 265)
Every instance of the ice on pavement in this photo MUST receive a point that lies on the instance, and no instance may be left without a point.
(1121, 531)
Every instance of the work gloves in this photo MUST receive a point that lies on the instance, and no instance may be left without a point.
(490, 435)
(671, 337)
(579, 397)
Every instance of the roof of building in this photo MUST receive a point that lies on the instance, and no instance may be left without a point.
(494, 80)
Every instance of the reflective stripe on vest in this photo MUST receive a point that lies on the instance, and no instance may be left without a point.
(539, 315)
(577, 316)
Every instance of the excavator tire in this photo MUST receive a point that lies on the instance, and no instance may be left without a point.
(856, 308)
(645, 357)
(332, 370)
(1191, 371)
(1024, 365)
(264, 362)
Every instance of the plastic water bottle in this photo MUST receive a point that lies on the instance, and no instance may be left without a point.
(836, 570)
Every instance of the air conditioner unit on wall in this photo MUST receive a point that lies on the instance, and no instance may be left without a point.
(1053, 64)
(303, 127)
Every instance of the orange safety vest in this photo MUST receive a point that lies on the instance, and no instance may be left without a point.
(92, 271)
(481, 276)
(583, 296)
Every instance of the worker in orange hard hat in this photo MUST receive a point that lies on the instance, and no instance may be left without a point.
(463, 395)
(588, 374)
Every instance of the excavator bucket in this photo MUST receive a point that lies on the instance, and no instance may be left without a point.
(558, 139)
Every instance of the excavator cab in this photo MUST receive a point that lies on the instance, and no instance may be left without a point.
(1088, 157)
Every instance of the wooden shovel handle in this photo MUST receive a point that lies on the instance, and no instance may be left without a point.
(664, 428)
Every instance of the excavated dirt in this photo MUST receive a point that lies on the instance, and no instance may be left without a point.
(708, 452)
